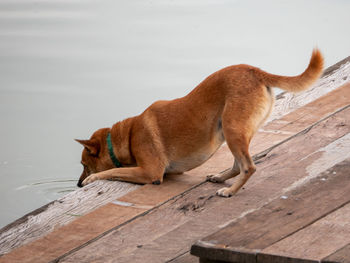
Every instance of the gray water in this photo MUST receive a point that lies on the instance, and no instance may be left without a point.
(69, 67)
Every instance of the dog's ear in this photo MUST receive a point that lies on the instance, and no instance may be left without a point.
(92, 146)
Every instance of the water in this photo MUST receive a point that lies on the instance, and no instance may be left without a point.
(69, 67)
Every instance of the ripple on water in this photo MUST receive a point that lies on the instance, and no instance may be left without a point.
(50, 189)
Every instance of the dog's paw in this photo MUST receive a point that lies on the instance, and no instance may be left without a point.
(91, 178)
(224, 192)
(214, 178)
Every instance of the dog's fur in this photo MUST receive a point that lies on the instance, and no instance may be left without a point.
(178, 135)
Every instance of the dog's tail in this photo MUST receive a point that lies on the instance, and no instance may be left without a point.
(297, 83)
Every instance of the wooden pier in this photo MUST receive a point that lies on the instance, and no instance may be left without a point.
(295, 208)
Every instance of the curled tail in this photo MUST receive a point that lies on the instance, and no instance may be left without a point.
(297, 83)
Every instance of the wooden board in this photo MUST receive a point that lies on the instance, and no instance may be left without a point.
(51, 246)
(259, 233)
(169, 230)
(320, 239)
(60, 212)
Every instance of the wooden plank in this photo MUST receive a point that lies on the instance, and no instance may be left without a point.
(156, 194)
(335, 67)
(170, 229)
(318, 240)
(60, 212)
(340, 256)
(74, 234)
(282, 217)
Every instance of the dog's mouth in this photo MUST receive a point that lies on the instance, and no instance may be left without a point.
(82, 177)
(80, 183)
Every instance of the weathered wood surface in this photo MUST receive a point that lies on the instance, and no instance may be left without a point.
(311, 223)
(82, 201)
(61, 212)
(168, 230)
(320, 239)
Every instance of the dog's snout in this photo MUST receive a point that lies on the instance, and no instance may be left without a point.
(82, 178)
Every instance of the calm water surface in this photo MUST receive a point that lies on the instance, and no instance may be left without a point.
(69, 67)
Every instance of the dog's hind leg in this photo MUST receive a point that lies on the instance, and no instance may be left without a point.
(239, 148)
(238, 131)
(225, 175)
(247, 168)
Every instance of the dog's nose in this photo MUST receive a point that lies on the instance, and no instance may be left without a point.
(79, 184)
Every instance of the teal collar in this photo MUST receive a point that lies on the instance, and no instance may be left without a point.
(111, 152)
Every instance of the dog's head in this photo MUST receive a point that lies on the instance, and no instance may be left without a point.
(95, 156)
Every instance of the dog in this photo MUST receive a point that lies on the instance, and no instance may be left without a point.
(172, 137)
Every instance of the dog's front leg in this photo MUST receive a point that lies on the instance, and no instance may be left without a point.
(137, 175)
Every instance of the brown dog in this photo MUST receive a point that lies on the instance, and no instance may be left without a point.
(178, 135)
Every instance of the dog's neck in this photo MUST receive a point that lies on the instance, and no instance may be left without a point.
(111, 152)
(120, 140)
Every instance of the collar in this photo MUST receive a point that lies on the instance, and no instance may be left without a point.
(111, 152)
